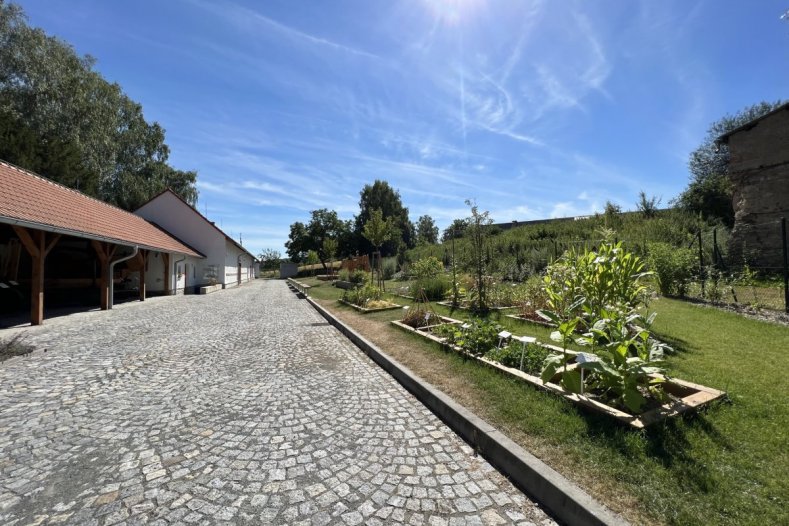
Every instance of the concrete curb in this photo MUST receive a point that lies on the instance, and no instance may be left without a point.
(564, 500)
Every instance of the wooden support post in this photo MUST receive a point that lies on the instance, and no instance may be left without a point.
(166, 261)
(35, 242)
(104, 251)
(143, 256)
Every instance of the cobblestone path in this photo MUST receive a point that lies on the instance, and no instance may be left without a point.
(239, 407)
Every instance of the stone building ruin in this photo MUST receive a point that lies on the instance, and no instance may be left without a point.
(759, 173)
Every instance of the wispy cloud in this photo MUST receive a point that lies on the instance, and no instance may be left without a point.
(249, 19)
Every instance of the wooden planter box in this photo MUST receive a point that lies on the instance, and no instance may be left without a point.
(365, 310)
(542, 323)
(690, 396)
(460, 307)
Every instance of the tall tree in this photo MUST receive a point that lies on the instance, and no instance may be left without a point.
(56, 93)
(426, 231)
(383, 197)
(709, 192)
(378, 231)
(323, 224)
(456, 230)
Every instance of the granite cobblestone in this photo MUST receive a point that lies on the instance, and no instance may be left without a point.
(240, 407)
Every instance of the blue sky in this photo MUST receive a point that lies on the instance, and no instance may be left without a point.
(533, 108)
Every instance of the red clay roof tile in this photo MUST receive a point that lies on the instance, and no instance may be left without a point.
(36, 201)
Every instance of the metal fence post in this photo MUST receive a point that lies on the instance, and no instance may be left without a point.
(701, 265)
(786, 264)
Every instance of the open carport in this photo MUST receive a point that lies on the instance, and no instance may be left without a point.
(76, 251)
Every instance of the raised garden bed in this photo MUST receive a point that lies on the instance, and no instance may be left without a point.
(466, 307)
(686, 396)
(536, 320)
(365, 310)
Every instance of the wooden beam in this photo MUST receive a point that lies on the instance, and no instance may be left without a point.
(143, 256)
(27, 241)
(51, 244)
(35, 243)
(166, 261)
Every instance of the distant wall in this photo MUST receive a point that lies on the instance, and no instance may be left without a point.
(759, 172)
(288, 270)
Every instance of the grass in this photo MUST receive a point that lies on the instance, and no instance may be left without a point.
(726, 465)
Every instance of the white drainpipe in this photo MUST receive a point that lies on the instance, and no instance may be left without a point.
(175, 267)
(112, 274)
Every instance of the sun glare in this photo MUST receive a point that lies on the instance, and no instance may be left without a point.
(452, 12)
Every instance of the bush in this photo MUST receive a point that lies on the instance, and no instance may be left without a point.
(388, 268)
(427, 268)
(358, 277)
(435, 289)
(533, 356)
(362, 295)
(479, 337)
(674, 267)
(344, 275)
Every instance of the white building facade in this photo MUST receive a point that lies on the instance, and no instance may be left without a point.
(226, 263)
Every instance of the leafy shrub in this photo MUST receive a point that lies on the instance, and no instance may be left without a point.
(434, 288)
(388, 268)
(362, 295)
(344, 275)
(478, 338)
(358, 276)
(628, 365)
(427, 268)
(528, 359)
(673, 266)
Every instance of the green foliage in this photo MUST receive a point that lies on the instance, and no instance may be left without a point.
(426, 231)
(360, 296)
(586, 283)
(388, 268)
(629, 361)
(477, 231)
(76, 116)
(454, 231)
(709, 192)
(269, 259)
(429, 267)
(378, 230)
(532, 298)
(477, 338)
(381, 196)
(358, 276)
(648, 206)
(434, 289)
(528, 358)
(324, 224)
(674, 267)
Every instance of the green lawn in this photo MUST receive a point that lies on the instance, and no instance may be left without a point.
(727, 465)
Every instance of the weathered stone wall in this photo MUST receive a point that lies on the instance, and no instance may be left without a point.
(759, 171)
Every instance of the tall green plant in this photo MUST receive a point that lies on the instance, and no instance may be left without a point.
(477, 231)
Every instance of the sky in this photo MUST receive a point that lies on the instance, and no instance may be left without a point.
(534, 109)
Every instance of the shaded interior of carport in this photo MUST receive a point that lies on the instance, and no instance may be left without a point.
(61, 250)
(44, 274)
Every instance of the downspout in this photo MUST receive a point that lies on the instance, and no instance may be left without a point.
(175, 263)
(112, 274)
